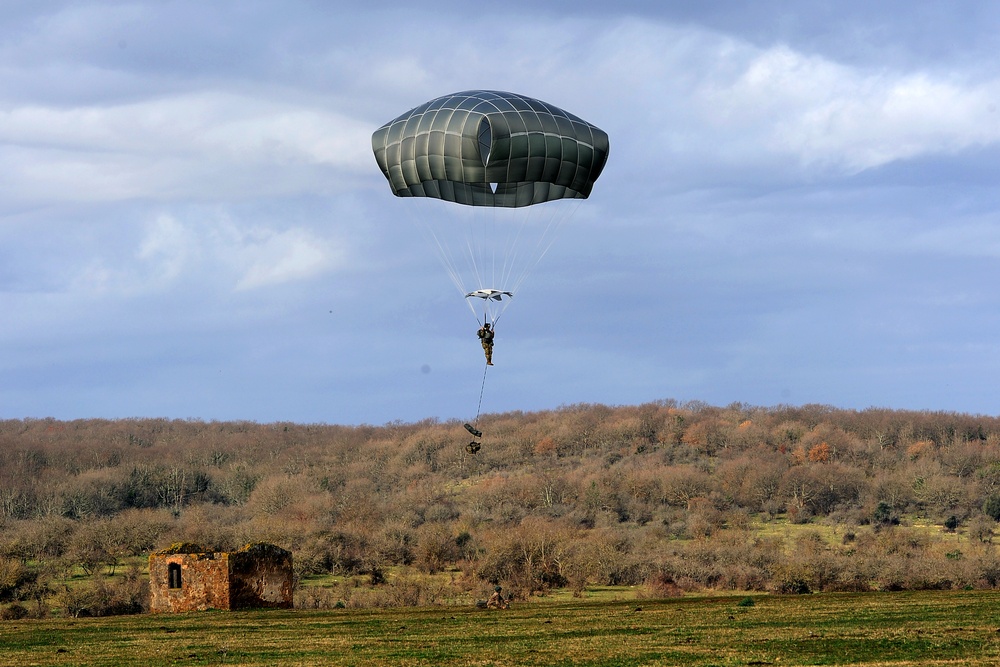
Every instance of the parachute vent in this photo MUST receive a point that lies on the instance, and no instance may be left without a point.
(486, 143)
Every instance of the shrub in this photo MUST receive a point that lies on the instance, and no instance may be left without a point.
(792, 585)
(981, 528)
(106, 597)
(883, 516)
(991, 507)
(13, 578)
(660, 585)
(13, 612)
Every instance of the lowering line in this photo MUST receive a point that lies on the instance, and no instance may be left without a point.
(481, 390)
(476, 445)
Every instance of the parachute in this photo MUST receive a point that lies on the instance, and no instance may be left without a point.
(503, 156)
(488, 148)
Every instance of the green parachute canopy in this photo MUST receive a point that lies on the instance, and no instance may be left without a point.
(490, 148)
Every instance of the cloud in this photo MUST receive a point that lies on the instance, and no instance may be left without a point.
(168, 245)
(159, 259)
(204, 254)
(825, 113)
(692, 97)
(190, 145)
(281, 257)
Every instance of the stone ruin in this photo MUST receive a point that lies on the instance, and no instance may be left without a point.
(185, 577)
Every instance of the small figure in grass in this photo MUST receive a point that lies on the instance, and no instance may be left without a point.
(497, 600)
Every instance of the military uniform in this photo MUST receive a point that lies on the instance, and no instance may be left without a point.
(485, 334)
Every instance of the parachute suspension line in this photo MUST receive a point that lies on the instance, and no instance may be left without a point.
(502, 246)
(482, 249)
(520, 248)
(446, 259)
(449, 263)
(494, 247)
(547, 238)
(515, 250)
(511, 243)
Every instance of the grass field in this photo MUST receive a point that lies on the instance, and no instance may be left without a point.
(907, 628)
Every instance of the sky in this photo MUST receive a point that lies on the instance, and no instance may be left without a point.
(799, 207)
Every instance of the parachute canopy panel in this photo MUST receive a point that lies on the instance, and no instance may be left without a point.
(490, 148)
(488, 293)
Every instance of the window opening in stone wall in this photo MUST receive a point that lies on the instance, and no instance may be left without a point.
(174, 575)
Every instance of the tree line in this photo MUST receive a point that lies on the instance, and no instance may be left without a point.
(666, 496)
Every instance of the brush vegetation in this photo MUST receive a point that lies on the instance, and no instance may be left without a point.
(665, 499)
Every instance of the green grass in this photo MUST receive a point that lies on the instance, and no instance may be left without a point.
(861, 629)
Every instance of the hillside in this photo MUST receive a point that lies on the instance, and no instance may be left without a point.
(666, 496)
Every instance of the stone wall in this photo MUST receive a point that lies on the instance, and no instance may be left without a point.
(258, 575)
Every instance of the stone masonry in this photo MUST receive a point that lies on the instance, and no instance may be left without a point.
(185, 577)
